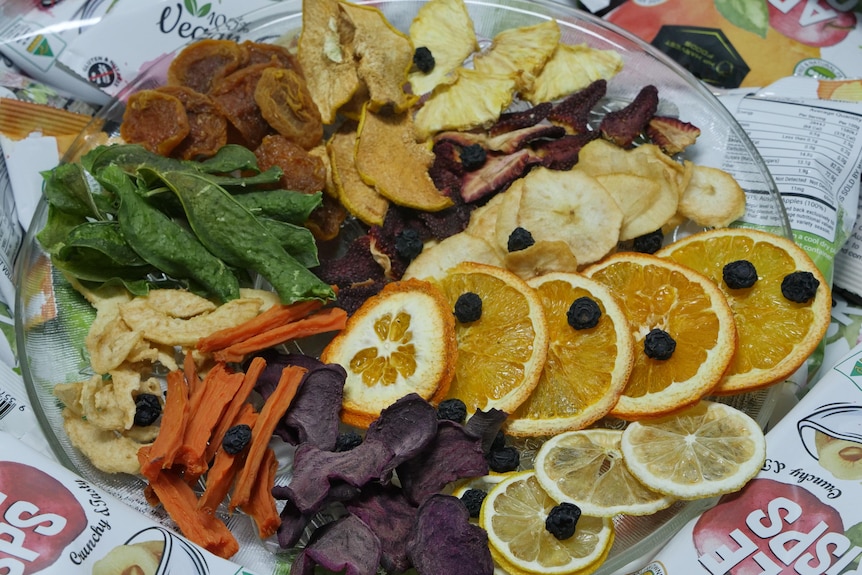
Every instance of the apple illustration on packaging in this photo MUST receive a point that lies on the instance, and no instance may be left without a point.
(39, 518)
(811, 22)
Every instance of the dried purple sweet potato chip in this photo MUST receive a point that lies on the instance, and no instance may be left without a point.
(444, 540)
(485, 425)
(346, 545)
(391, 517)
(454, 454)
(293, 524)
(406, 427)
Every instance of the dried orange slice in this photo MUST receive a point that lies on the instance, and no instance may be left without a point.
(776, 335)
(500, 354)
(587, 365)
(658, 294)
(400, 341)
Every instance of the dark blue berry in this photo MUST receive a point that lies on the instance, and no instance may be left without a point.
(584, 313)
(799, 287)
(658, 344)
(423, 59)
(347, 441)
(472, 500)
(504, 459)
(452, 409)
(408, 244)
(468, 307)
(648, 243)
(739, 274)
(562, 520)
(519, 239)
(473, 157)
(236, 438)
(147, 409)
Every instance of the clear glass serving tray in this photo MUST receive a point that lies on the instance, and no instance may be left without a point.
(52, 319)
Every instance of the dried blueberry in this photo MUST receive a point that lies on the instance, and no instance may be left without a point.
(658, 344)
(562, 520)
(739, 274)
(519, 239)
(147, 409)
(468, 307)
(584, 313)
(648, 243)
(408, 244)
(799, 287)
(499, 441)
(452, 409)
(472, 500)
(504, 459)
(423, 59)
(236, 438)
(347, 441)
(473, 157)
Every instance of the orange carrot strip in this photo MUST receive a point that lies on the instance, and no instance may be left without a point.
(175, 418)
(225, 465)
(331, 319)
(203, 528)
(273, 410)
(273, 317)
(190, 369)
(255, 368)
(261, 506)
(216, 394)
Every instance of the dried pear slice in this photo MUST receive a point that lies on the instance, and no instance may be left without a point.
(359, 198)
(472, 100)
(389, 158)
(523, 50)
(326, 58)
(384, 57)
(446, 29)
(712, 198)
(572, 68)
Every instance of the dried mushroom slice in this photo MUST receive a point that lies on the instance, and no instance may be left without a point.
(326, 57)
(570, 69)
(235, 95)
(156, 120)
(200, 65)
(207, 123)
(286, 104)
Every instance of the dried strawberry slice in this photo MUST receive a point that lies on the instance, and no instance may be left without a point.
(624, 125)
(562, 154)
(573, 113)
(510, 121)
(672, 135)
(497, 173)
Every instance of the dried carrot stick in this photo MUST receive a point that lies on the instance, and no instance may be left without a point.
(261, 506)
(225, 465)
(255, 368)
(273, 317)
(190, 369)
(203, 528)
(273, 410)
(175, 416)
(215, 394)
(331, 319)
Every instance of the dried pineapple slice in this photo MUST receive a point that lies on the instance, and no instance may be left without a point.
(523, 50)
(446, 29)
(474, 99)
(572, 68)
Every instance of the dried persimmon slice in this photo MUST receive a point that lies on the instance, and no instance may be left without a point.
(156, 120)
(207, 124)
(261, 53)
(303, 172)
(235, 95)
(201, 65)
(286, 104)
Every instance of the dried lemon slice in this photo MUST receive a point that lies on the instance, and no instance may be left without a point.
(398, 342)
(703, 451)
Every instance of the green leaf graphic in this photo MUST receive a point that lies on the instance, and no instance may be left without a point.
(191, 6)
(205, 9)
(751, 15)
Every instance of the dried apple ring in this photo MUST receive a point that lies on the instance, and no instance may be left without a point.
(286, 104)
(156, 120)
(202, 64)
(207, 124)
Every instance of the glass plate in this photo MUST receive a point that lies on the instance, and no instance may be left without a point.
(52, 319)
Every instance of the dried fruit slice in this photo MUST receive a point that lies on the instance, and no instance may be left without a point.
(471, 100)
(522, 51)
(360, 199)
(398, 342)
(406, 182)
(776, 335)
(572, 68)
(587, 365)
(446, 29)
(514, 514)
(435, 260)
(567, 206)
(658, 294)
(703, 451)
(712, 198)
(500, 355)
(156, 120)
(587, 468)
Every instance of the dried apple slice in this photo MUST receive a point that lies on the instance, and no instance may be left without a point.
(446, 29)
(713, 198)
(572, 68)
(406, 181)
(523, 51)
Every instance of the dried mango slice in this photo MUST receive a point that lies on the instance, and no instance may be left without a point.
(572, 68)
(286, 104)
(327, 60)
(523, 50)
(156, 120)
(200, 65)
(405, 181)
(446, 29)
(383, 55)
(474, 99)
(360, 199)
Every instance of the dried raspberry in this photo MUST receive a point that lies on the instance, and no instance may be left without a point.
(799, 287)
(659, 344)
(624, 125)
(423, 59)
(739, 274)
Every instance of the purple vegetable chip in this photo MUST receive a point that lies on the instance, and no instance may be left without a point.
(444, 540)
(293, 524)
(346, 546)
(486, 424)
(454, 454)
(405, 427)
(391, 517)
